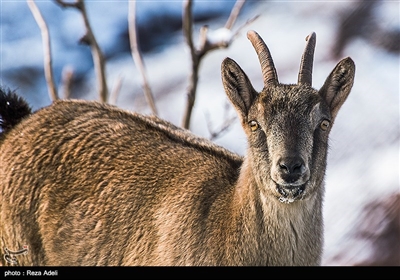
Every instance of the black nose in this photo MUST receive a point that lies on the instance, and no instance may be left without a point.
(291, 169)
(291, 165)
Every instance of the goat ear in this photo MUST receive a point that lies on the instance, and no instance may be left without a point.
(237, 86)
(338, 85)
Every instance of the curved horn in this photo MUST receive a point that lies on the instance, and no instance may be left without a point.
(267, 65)
(306, 66)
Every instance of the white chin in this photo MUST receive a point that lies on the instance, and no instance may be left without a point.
(286, 199)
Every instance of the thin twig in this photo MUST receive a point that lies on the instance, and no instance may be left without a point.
(187, 25)
(68, 4)
(226, 124)
(66, 81)
(187, 22)
(137, 57)
(48, 69)
(244, 25)
(116, 90)
(90, 39)
(98, 58)
(234, 14)
(204, 47)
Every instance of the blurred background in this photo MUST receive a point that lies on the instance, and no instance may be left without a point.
(362, 200)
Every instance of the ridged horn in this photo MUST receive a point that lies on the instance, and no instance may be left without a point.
(267, 65)
(307, 60)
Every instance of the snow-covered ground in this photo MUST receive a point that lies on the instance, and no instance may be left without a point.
(363, 163)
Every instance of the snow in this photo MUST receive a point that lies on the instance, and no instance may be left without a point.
(222, 36)
(363, 161)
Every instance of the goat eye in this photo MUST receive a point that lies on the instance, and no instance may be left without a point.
(324, 125)
(253, 125)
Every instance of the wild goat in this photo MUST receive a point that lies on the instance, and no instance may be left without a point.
(84, 183)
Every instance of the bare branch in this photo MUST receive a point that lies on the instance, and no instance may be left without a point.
(137, 57)
(48, 70)
(226, 124)
(220, 38)
(187, 22)
(244, 25)
(89, 38)
(98, 58)
(69, 4)
(67, 76)
(234, 14)
(116, 90)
